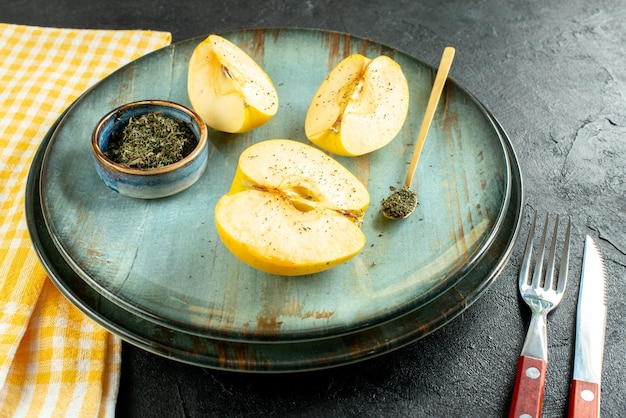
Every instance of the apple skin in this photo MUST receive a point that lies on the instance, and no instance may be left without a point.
(360, 106)
(292, 210)
(227, 88)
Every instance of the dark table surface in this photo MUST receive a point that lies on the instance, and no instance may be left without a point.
(554, 74)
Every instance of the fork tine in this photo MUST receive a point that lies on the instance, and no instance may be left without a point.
(564, 267)
(525, 268)
(549, 278)
(541, 254)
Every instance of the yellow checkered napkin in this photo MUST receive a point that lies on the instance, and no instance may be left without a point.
(53, 359)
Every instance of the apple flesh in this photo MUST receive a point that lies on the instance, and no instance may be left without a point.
(360, 106)
(227, 88)
(292, 210)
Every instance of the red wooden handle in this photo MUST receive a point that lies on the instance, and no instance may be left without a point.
(584, 399)
(529, 385)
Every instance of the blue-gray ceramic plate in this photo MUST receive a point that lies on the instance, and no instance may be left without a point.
(163, 261)
(270, 357)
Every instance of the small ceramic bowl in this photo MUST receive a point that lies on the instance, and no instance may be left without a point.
(150, 183)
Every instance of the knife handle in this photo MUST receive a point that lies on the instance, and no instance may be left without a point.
(584, 399)
(529, 386)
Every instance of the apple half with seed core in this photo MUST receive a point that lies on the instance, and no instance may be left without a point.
(292, 210)
(227, 88)
(360, 106)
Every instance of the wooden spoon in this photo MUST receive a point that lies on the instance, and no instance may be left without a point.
(402, 202)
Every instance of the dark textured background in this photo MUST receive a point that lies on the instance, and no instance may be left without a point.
(554, 74)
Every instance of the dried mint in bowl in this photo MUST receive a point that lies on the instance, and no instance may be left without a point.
(151, 140)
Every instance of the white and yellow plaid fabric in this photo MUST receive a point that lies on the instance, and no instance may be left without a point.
(54, 361)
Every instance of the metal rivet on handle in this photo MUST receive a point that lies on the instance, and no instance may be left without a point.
(532, 373)
(587, 395)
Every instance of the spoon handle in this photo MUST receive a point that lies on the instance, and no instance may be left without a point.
(433, 101)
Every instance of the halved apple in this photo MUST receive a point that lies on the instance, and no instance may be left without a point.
(292, 210)
(227, 88)
(359, 107)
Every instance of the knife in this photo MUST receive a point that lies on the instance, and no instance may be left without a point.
(590, 333)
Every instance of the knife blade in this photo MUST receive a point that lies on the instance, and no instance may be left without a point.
(590, 334)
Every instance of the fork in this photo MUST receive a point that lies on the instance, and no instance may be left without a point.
(542, 294)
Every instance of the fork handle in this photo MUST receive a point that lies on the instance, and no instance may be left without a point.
(529, 387)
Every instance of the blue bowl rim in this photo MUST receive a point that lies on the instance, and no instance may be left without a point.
(114, 166)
